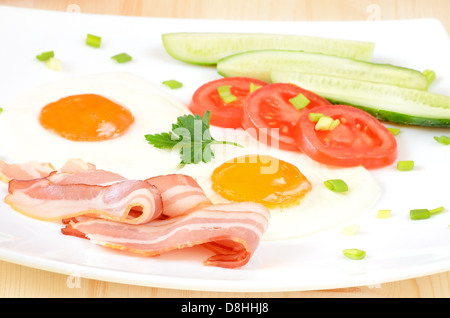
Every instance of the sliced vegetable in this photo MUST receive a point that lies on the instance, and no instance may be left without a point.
(93, 40)
(359, 139)
(354, 253)
(394, 131)
(208, 48)
(419, 214)
(225, 94)
(430, 75)
(173, 84)
(44, 56)
(54, 64)
(259, 64)
(351, 229)
(385, 102)
(436, 210)
(122, 58)
(383, 214)
(300, 101)
(405, 165)
(270, 116)
(336, 185)
(228, 115)
(445, 140)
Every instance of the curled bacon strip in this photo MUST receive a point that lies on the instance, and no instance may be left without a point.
(233, 231)
(180, 193)
(65, 195)
(24, 171)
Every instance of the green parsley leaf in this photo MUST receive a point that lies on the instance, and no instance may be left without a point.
(191, 135)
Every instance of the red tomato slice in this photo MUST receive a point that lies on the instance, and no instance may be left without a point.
(223, 114)
(271, 117)
(359, 139)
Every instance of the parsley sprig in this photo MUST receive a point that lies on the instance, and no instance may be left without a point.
(191, 135)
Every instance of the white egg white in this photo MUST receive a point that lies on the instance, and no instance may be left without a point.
(154, 111)
(320, 209)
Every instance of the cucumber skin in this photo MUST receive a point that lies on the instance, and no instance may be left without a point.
(263, 73)
(387, 115)
(172, 42)
(398, 118)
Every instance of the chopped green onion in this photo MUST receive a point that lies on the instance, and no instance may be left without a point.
(419, 214)
(437, 210)
(430, 75)
(93, 40)
(383, 214)
(326, 123)
(445, 140)
(254, 87)
(44, 56)
(122, 58)
(1, 110)
(394, 131)
(172, 84)
(336, 185)
(354, 253)
(405, 165)
(350, 230)
(225, 94)
(314, 116)
(300, 101)
(54, 64)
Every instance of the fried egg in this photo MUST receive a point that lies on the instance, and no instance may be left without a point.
(100, 118)
(289, 183)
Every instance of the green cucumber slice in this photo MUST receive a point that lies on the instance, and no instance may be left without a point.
(259, 64)
(385, 102)
(208, 48)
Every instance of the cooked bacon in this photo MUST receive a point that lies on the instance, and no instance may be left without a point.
(75, 165)
(65, 195)
(180, 193)
(24, 171)
(233, 231)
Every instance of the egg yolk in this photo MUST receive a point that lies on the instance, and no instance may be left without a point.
(87, 117)
(262, 179)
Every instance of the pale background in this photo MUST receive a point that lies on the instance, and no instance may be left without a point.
(18, 281)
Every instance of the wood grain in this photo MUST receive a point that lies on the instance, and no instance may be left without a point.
(21, 281)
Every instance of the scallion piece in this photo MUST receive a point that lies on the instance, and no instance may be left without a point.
(326, 123)
(93, 40)
(336, 185)
(445, 140)
(437, 210)
(254, 87)
(300, 101)
(383, 214)
(405, 165)
(172, 84)
(419, 214)
(44, 56)
(54, 64)
(394, 131)
(314, 116)
(350, 230)
(1, 110)
(430, 75)
(354, 253)
(225, 94)
(122, 58)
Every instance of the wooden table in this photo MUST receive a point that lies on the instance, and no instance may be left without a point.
(20, 281)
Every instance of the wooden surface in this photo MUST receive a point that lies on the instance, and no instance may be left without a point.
(20, 281)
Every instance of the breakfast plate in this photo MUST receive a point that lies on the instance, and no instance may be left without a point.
(397, 247)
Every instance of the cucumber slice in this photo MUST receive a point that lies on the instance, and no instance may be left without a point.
(385, 102)
(259, 64)
(208, 48)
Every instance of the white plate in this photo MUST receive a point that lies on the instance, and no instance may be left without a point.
(397, 248)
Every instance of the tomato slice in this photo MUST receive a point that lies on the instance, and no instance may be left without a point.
(271, 117)
(359, 139)
(227, 115)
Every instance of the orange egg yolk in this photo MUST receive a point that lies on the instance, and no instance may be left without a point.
(87, 117)
(262, 179)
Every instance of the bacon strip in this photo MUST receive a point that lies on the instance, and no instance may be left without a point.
(24, 171)
(65, 195)
(180, 193)
(233, 231)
